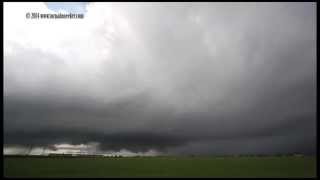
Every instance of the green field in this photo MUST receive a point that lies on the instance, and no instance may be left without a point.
(160, 167)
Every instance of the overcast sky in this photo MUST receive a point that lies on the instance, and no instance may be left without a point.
(179, 78)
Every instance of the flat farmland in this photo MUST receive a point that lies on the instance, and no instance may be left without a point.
(160, 167)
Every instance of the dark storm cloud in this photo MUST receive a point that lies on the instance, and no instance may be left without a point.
(203, 78)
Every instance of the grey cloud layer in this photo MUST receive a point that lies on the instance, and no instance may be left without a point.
(201, 78)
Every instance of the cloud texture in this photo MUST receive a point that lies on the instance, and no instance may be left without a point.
(206, 78)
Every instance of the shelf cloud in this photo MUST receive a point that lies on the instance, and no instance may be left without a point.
(180, 78)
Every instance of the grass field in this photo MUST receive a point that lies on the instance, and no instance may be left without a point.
(160, 167)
